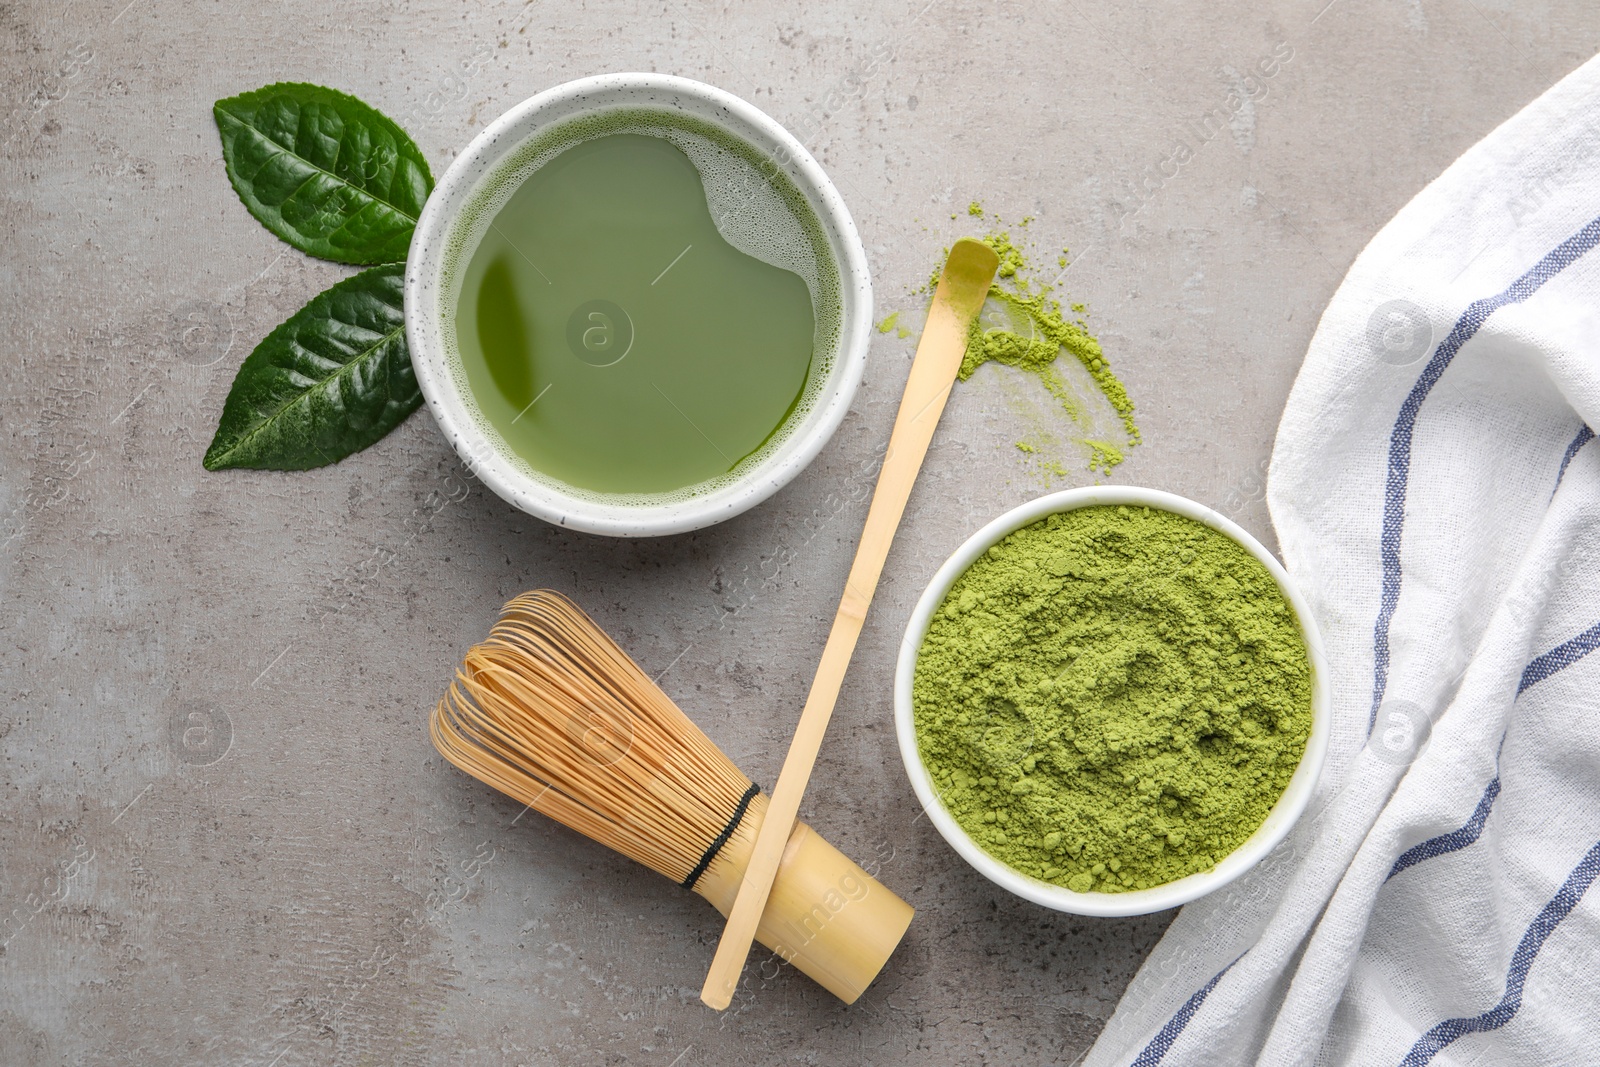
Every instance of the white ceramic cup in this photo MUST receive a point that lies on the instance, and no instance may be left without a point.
(1139, 901)
(427, 304)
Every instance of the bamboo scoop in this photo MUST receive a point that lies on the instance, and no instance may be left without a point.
(963, 287)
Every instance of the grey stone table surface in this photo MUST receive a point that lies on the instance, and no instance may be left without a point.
(224, 836)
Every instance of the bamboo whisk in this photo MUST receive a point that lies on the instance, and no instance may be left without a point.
(550, 711)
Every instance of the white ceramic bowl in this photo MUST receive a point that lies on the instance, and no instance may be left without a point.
(426, 304)
(1139, 901)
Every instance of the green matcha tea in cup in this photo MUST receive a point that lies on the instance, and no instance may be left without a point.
(636, 305)
(1112, 701)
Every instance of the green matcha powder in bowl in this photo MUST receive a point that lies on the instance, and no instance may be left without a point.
(1112, 701)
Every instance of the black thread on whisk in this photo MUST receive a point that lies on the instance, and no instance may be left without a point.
(722, 838)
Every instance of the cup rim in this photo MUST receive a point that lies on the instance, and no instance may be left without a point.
(1279, 821)
(483, 457)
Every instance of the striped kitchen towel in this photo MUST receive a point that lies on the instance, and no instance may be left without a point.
(1437, 498)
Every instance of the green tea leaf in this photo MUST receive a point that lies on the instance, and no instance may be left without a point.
(331, 380)
(325, 172)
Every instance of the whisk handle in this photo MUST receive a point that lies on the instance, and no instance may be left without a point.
(826, 916)
(963, 285)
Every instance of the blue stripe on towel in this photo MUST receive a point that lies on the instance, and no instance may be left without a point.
(1550, 916)
(1394, 497)
(1585, 435)
(1559, 658)
(1165, 1036)
(1455, 840)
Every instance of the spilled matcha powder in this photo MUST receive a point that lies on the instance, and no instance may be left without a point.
(1112, 698)
(893, 323)
(1024, 327)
